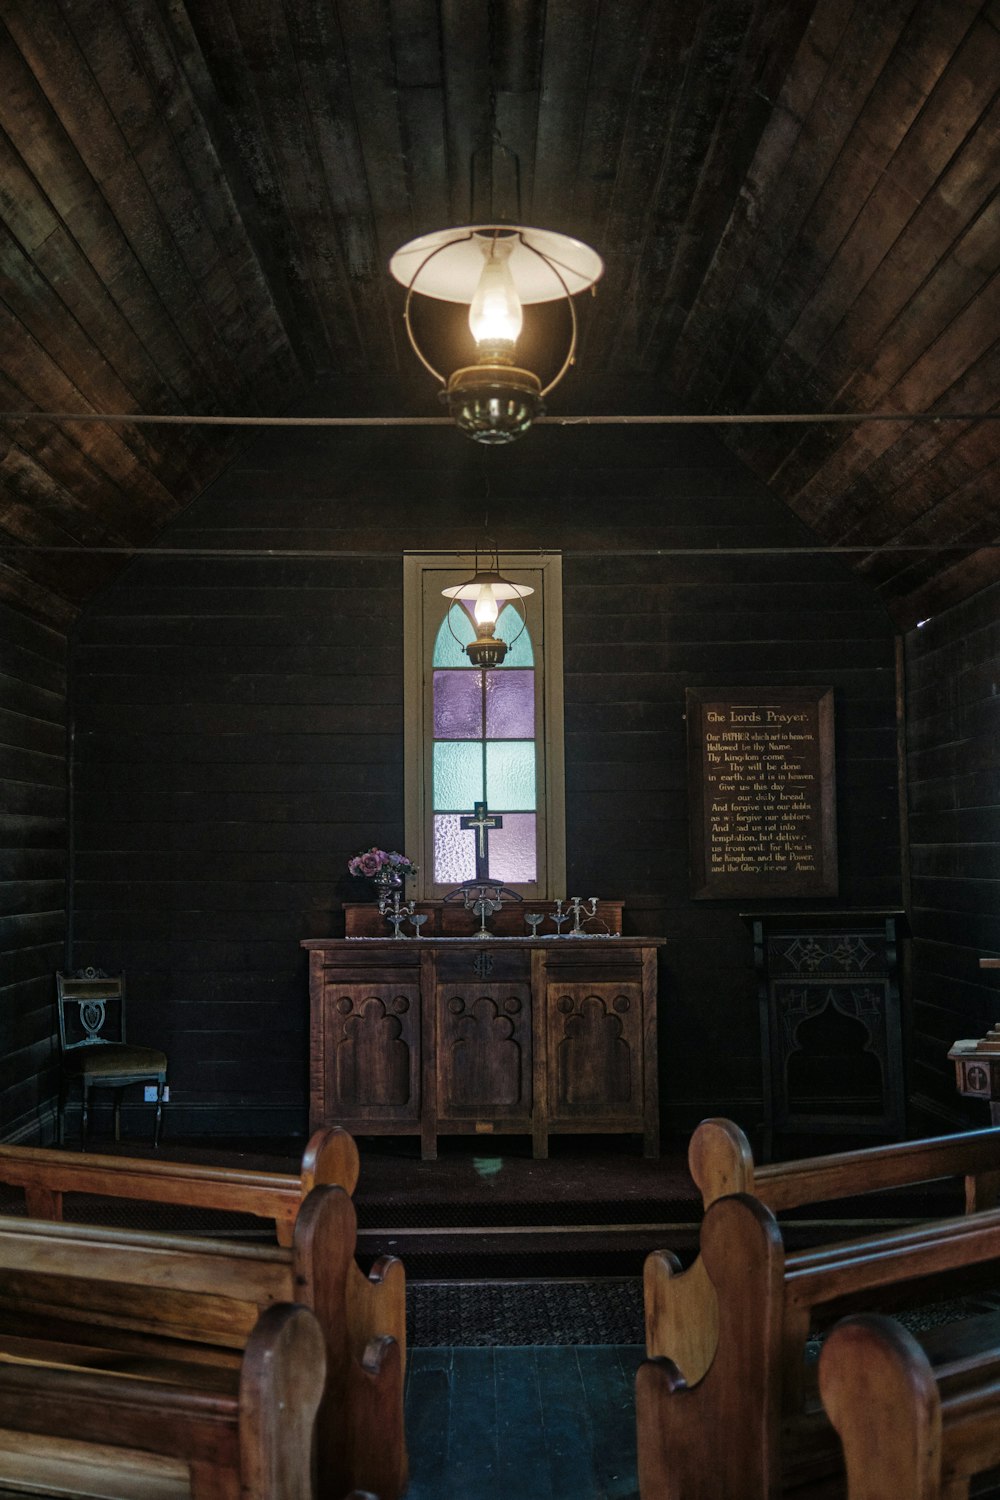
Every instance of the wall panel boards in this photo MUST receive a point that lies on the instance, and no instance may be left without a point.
(953, 776)
(32, 865)
(239, 726)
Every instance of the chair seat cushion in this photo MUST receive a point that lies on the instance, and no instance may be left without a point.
(114, 1061)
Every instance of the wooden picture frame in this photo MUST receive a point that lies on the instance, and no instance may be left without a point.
(762, 792)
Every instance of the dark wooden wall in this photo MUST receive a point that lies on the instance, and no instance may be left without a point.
(239, 727)
(33, 831)
(953, 773)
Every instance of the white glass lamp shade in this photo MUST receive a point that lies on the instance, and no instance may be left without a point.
(448, 264)
(485, 592)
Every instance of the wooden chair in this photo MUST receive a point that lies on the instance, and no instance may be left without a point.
(94, 1049)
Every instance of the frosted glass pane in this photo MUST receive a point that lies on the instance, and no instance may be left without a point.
(447, 651)
(458, 776)
(454, 850)
(510, 705)
(458, 705)
(510, 775)
(509, 622)
(512, 849)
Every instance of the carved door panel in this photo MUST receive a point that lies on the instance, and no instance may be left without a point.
(484, 1051)
(372, 1049)
(595, 1051)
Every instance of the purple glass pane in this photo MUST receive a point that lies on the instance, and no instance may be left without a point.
(458, 710)
(513, 857)
(510, 705)
(454, 850)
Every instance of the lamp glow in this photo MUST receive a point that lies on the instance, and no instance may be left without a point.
(485, 608)
(495, 315)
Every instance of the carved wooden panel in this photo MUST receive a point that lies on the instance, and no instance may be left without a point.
(830, 1026)
(460, 1037)
(484, 1050)
(372, 1049)
(595, 1050)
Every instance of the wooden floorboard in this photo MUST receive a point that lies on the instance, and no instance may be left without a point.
(555, 1423)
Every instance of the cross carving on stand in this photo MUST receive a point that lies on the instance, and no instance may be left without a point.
(481, 821)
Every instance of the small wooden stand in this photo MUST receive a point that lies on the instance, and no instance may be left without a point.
(977, 1063)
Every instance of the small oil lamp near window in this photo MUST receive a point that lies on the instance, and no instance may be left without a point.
(483, 595)
(497, 269)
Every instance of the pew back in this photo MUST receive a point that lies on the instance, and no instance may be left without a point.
(111, 1433)
(157, 1301)
(680, 1311)
(721, 1162)
(46, 1174)
(754, 1388)
(905, 1427)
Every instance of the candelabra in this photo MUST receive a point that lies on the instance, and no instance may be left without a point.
(396, 912)
(484, 898)
(578, 910)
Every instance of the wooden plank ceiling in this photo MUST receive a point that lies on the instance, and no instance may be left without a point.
(796, 200)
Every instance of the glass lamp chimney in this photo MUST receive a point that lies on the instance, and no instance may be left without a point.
(485, 608)
(495, 315)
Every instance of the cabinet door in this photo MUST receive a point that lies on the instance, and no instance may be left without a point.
(484, 1051)
(372, 1050)
(594, 1035)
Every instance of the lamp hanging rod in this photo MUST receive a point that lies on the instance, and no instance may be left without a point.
(671, 419)
(370, 554)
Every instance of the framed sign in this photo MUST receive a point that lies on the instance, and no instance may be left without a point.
(763, 806)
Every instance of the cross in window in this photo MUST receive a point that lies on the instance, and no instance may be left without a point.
(480, 821)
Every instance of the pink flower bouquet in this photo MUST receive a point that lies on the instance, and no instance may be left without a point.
(371, 861)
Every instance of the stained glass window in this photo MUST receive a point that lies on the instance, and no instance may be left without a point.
(484, 751)
(490, 735)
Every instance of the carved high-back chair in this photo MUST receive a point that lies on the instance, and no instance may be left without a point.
(94, 1050)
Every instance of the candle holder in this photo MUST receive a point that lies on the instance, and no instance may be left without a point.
(397, 912)
(483, 898)
(559, 917)
(580, 914)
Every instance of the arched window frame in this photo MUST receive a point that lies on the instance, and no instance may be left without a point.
(424, 576)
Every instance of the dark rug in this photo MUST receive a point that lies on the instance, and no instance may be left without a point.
(506, 1314)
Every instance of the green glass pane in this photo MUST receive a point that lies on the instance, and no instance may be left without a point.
(447, 651)
(509, 624)
(458, 776)
(510, 775)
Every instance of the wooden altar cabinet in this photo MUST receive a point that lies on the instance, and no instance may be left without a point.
(467, 1036)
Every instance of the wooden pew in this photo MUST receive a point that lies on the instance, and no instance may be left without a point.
(248, 1436)
(748, 1423)
(46, 1174)
(680, 1313)
(907, 1427)
(721, 1162)
(154, 1304)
